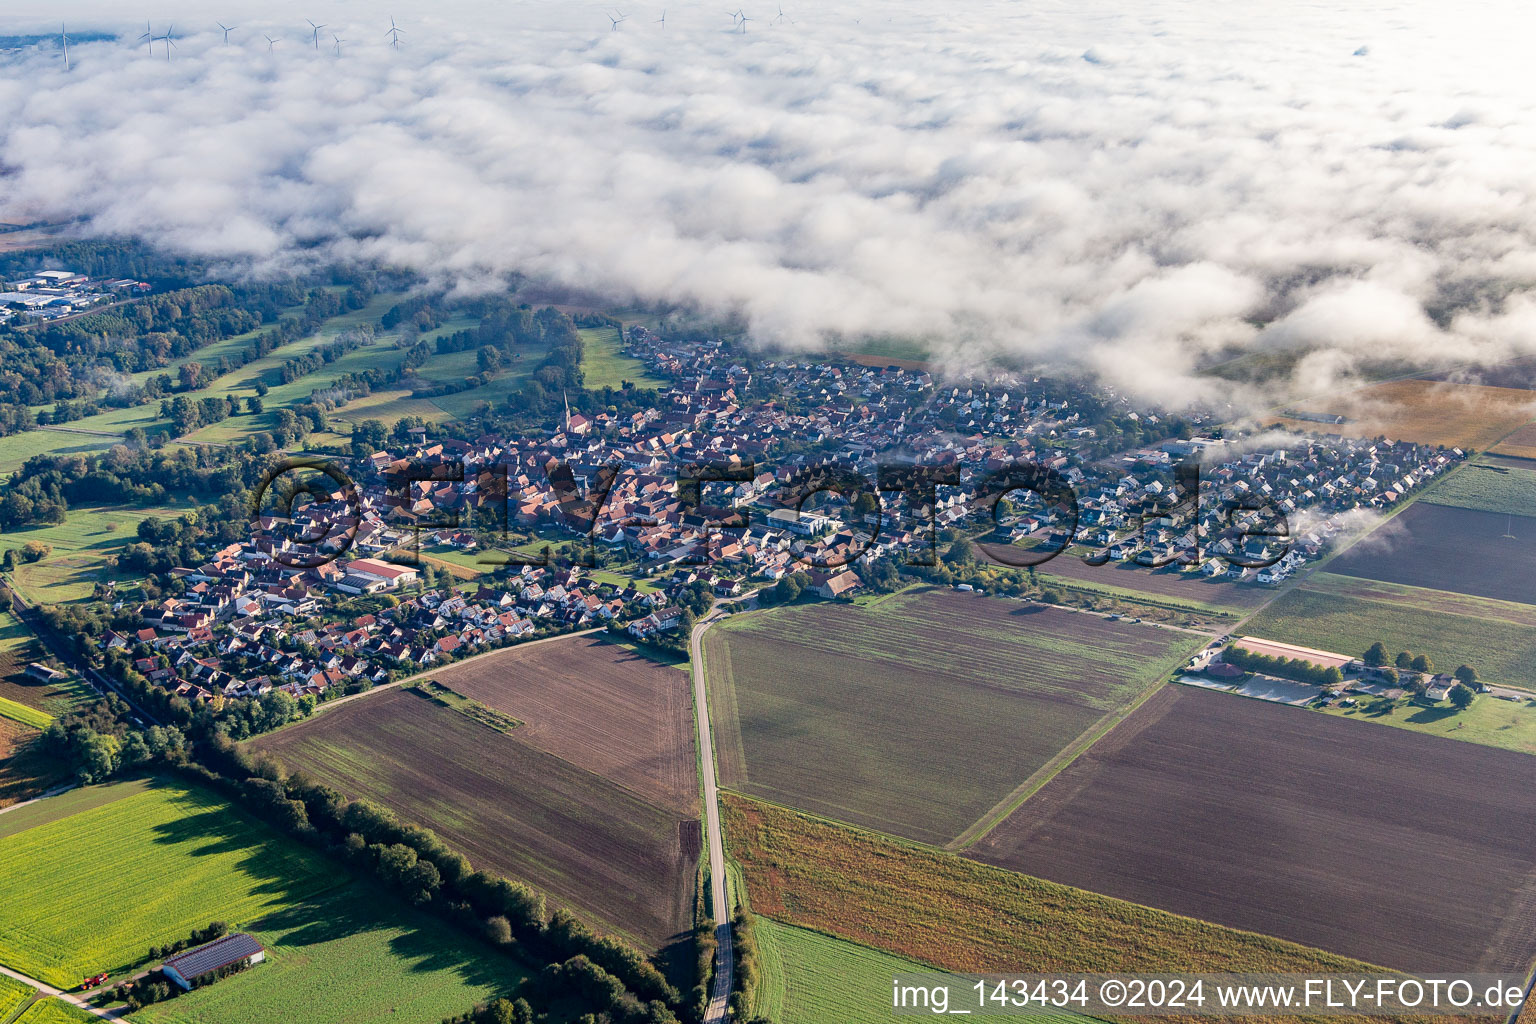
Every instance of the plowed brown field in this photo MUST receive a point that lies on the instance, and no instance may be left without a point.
(1409, 851)
(598, 705)
(509, 807)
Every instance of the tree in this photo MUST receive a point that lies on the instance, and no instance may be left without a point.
(487, 359)
(1421, 663)
(1377, 655)
(253, 405)
(1389, 675)
(1404, 660)
(35, 551)
(1465, 674)
(1462, 696)
(5, 600)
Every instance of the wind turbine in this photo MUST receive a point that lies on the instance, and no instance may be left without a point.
(227, 30)
(782, 17)
(619, 20)
(270, 43)
(149, 39)
(394, 33)
(65, 38)
(339, 41)
(317, 29)
(736, 16)
(662, 21)
(744, 20)
(169, 42)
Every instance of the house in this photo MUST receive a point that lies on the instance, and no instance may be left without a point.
(838, 585)
(232, 950)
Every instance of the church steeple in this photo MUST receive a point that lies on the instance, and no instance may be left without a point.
(565, 424)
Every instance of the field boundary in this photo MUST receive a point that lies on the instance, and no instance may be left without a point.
(1048, 771)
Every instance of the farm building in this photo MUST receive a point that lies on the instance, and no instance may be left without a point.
(238, 948)
(43, 673)
(1276, 649)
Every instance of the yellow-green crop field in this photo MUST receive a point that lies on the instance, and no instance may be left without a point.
(99, 875)
(93, 891)
(23, 714)
(55, 1011)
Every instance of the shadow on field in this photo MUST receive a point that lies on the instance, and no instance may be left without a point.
(1030, 609)
(1428, 716)
(210, 831)
(362, 908)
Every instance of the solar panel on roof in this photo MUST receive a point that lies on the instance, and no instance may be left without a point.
(216, 954)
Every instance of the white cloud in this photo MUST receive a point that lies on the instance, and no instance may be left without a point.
(1122, 190)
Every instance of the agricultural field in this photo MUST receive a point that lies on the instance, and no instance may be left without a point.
(54, 1010)
(25, 772)
(24, 715)
(1437, 547)
(604, 364)
(13, 995)
(81, 545)
(598, 705)
(509, 807)
(180, 857)
(918, 713)
(1486, 486)
(1468, 416)
(812, 978)
(964, 916)
(341, 960)
(1338, 613)
(1408, 851)
(1520, 445)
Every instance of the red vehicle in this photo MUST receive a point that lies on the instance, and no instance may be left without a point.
(94, 980)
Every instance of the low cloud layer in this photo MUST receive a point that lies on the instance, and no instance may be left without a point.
(1130, 191)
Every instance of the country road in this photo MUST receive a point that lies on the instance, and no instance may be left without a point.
(725, 959)
(49, 990)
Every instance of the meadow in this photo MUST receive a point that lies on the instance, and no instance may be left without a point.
(604, 364)
(919, 713)
(89, 535)
(113, 870)
(18, 647)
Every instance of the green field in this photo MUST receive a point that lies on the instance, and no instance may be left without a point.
(55, 1011)
(81, 544)
(17, 648)
(16, 449)
(1497, 638)
(24, 714)
(604, 364)
(13, 996)
(917, 714)
(91, 889)
(812, 978)
(1487, 488)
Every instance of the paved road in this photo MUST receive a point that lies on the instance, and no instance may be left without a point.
(69, 997)
(725, 959)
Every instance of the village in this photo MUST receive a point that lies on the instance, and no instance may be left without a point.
(415, 562)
